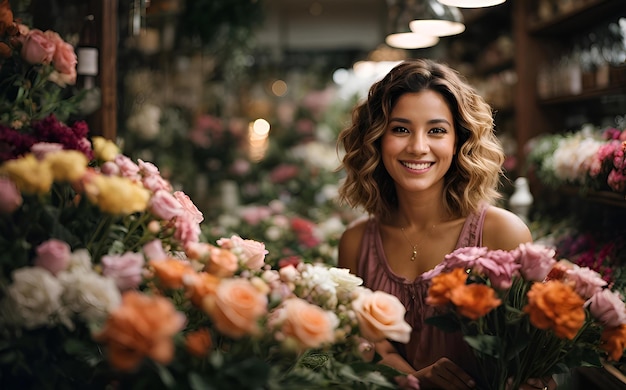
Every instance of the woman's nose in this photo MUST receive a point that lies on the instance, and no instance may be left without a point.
(418, 143)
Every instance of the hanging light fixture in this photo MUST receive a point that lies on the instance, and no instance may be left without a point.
(400, 14)
(433, 17)
(471, 3)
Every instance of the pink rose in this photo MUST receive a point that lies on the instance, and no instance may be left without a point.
(499, 266)
(37, 48)
(155, 183)
(165, 206)
(10, 196)
(186, 230)
(236, 307)
(109, 168)
(536, 261)
(153, 250)
(608, 307)
(309, 325)
(53, 255)
(189, 207)
(125, 269)
(128, 168)
(41, 149)
(464, 257)
(586, 281)
(252, 252)
(381, 316)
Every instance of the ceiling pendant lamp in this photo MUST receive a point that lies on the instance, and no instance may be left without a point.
(471, 3)
(411, 40)
(434, 18)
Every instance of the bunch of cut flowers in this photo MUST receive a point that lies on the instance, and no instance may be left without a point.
(36, 67)
(526, 315)
(105, 279)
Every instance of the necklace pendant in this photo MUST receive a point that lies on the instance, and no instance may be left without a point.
(414, 255)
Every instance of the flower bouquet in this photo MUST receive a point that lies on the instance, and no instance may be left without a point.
(35, 69)
(526, 315)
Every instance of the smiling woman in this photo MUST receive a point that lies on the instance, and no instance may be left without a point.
(423, 160)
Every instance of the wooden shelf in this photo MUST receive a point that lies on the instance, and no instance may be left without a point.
(590, 94)
(603, 197)
(586, 14)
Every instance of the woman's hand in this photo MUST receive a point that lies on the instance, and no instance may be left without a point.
(444, 374)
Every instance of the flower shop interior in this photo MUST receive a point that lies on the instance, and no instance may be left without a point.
(234, 107)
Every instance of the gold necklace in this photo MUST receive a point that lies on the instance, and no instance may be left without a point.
(413, 246)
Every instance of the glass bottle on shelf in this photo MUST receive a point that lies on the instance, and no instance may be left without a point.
(87, 68)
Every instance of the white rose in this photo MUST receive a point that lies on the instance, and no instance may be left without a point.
(35, 295)
(346, 281)
(90, 295)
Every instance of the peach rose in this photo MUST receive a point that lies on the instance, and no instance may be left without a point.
(252, 252)
(64, 58)
(474, 300)
(199, 286)
(381, 316)
(142, 326)
(198, 342)
(309, 325)
(222, 262)
(170, 272)
(442, 285)
(236, 308)
(555, 305)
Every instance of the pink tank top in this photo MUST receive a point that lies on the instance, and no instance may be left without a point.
(427, 343)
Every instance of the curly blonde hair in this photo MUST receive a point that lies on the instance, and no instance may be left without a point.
(475, 173)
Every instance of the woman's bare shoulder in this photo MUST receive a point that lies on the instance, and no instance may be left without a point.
(504, 229)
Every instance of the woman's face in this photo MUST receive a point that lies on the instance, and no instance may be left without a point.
(419, 143)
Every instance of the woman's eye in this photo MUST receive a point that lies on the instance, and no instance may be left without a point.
(400, 129)
(438, 130)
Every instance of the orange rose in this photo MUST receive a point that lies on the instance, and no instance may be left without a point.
(309, 325)
(142, 326)
(474, 300)
(200, 285)
(170, 272)
(198, 342)
(613, 341)
(236, 307)
(555, 305)
(442, 285)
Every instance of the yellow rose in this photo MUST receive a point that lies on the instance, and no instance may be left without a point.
(117, 195)
(29, 174)
(67, 165)
(104, 149)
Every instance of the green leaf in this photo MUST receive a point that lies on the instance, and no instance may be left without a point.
(446, 322)
(485, 344)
